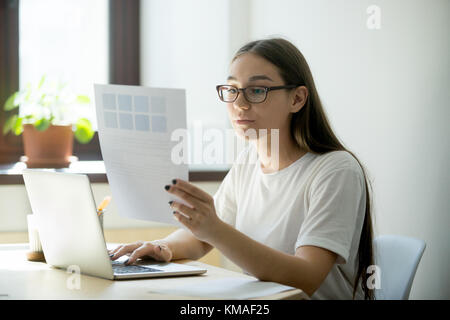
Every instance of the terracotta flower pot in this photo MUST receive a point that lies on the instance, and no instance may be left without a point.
(51, 148)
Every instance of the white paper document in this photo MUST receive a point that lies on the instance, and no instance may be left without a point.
(135, 125)
(227, 288)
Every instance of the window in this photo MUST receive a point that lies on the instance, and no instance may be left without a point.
(88, 41)
(10, 146)
(79, 41)
(68, 42)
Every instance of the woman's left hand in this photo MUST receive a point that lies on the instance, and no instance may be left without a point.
(201, 219)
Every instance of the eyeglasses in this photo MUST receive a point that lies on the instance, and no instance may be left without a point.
(253, 94)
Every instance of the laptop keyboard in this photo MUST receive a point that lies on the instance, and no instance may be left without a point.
(120, 268)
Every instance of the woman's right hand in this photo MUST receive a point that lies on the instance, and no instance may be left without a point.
(157, 249)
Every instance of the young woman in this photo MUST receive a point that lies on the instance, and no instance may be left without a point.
(301, 217)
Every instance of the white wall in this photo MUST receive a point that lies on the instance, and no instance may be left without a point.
(386, 92)
(185, 45)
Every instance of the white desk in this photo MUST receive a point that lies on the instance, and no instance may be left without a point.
(22, 279)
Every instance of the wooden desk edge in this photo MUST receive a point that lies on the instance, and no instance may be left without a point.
(295, 294)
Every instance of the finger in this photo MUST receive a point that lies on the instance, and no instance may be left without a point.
(192, 190)
(176, 206)
(122, 251)
(125, 249)
(182, 219)
(113, 251)
(193, 201)
(116, 248)
(144, 250)
(157, 250)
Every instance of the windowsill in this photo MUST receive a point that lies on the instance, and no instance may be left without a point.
(11, 173)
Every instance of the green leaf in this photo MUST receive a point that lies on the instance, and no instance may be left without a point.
(83, 99)
(9, 124)
(42, 124)
(14, 124)
(84, 132)
(18, 127)
(62, 85)
(28, 92)
(11, 103)
(42, 81)
(29, 117)
(42, 99)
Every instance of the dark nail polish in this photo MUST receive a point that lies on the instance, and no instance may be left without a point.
(170, 202)
(167, 187)
(174, 181)
(111, 255)
(174, 212)
(126, 262)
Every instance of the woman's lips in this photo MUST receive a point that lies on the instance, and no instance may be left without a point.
(244, 121)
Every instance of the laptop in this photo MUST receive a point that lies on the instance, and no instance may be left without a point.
(71, 234)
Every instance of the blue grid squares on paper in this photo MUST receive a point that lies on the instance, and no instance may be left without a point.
(141, 104)
(110, 120)
(124, 102)
(159, 124)
(134, 112)
(126, 121)
(158, 104)
(142, 122)
(109, 101)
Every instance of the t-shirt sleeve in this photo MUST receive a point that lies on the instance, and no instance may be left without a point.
(225, 198)
(336, 199)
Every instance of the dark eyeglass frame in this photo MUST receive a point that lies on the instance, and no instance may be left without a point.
(266, 90)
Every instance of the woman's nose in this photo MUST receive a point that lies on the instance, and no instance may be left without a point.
(241, 102)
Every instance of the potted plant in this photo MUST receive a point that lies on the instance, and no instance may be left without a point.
(49, 122)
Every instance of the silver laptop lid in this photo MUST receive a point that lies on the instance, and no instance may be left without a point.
(68, 225)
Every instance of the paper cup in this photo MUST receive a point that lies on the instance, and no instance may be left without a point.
(33, 234)
(100, 218)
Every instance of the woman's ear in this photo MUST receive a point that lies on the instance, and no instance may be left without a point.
(300, 94)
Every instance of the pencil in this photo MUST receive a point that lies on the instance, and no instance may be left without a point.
(104, 204)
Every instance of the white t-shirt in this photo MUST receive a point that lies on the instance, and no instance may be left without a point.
(318, 200)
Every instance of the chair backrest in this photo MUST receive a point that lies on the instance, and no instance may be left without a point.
(397, 258)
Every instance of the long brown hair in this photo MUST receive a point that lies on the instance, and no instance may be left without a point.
(311, 130)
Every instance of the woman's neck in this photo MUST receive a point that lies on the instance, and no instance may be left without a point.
(277, 151)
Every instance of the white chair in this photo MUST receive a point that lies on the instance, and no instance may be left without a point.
(397, 258)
